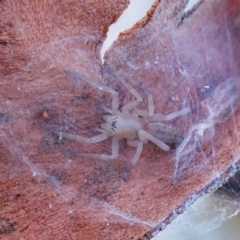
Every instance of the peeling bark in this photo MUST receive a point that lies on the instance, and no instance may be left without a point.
(184, 59)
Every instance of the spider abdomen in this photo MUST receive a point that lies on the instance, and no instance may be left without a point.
(164, 133)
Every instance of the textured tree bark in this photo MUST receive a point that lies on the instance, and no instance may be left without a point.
(184, 59)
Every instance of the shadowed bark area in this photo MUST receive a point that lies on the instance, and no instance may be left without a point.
(184, 59)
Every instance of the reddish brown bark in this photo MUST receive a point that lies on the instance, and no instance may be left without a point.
(182, 59)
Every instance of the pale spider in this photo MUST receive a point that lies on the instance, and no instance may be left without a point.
(136, 125)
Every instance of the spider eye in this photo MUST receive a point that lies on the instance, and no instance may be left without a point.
(113, 124)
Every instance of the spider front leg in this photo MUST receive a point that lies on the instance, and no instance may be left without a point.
(115, 151)
(140, 112)
(115, 97)
(150, 112)
(131, 105)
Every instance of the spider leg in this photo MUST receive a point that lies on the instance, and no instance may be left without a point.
(132, 90)
(141, 112)
(115, 97)
(150, 99)
(139, 145)
(138, 152)
(150, 112)
(94, 139)
(144, 136)
(171, 116)
(129, 106)
(115, 151)
(132, 143)
(108, 110)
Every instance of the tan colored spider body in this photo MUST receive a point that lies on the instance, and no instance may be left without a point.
(135, 125)
(122, 125)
